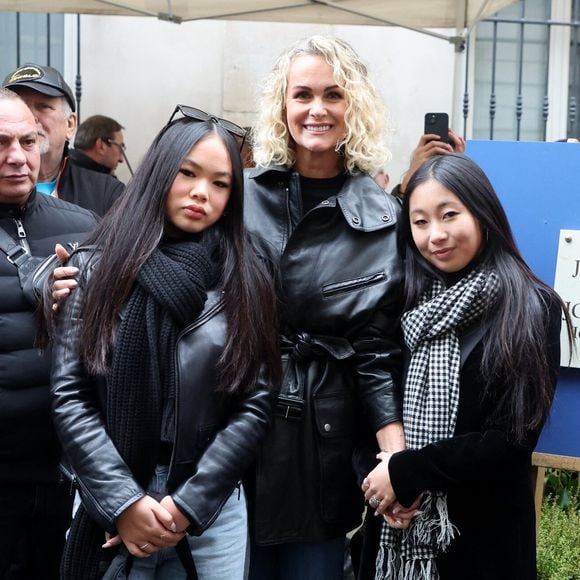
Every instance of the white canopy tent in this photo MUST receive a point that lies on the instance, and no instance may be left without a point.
(418, 15)
(407, 13)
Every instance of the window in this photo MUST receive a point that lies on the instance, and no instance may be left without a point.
(508, 56)
(30, 37)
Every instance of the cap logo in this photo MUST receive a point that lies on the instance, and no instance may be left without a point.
(25, 73)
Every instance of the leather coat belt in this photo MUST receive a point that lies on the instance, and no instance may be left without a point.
(303, 348)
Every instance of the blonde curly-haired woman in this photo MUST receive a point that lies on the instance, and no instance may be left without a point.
(331, 231)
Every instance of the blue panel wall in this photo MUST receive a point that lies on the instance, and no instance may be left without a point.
(539, 185)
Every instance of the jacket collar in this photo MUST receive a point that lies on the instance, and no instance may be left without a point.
(257, 172)
(364, 204)
(79, 158)
(18, 211)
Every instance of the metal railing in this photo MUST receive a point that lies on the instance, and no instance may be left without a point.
(523, 23)
(40, 39)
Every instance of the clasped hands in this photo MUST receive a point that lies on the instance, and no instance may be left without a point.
(148, 526)
(377, 487)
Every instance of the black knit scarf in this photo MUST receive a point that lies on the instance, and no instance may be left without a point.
(170, 291)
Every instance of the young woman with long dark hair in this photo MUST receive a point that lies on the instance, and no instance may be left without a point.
(483, 335)
(163, 361)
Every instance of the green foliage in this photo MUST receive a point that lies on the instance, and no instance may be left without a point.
(562, 485)
(559, 540)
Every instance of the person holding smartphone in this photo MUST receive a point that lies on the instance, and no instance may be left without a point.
(431, 143)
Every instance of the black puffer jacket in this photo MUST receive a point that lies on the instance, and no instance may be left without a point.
(28, 445)
(340, 277)
(216, 434)
(89, 189)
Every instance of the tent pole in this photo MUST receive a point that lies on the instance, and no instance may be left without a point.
(456, 106)
(78, 79)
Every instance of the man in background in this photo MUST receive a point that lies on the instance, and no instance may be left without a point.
(99, 144)
(52, 103)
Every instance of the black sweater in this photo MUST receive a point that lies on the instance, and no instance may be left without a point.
(487, 479)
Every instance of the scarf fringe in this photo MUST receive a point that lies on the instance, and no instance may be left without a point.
(433, 526)
(392, 566)
(411, 554)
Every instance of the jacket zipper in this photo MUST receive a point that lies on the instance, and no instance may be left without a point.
(357, 284)
(22, 236)
(76, 483)
(288, 215)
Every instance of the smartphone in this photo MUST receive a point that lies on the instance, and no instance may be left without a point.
(438, 124)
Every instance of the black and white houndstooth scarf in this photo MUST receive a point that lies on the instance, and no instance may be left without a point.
(430, 406)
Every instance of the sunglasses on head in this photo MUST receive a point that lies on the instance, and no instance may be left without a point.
(239, 133)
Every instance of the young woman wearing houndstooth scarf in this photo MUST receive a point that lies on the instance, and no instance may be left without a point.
(163, 361)
(482, 333)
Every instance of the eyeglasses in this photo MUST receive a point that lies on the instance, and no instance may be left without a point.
(239, 133)
(122, 147)
(110, 141)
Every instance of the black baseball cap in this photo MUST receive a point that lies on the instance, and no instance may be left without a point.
(44, 79)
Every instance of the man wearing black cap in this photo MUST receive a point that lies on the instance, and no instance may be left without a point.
(52, 102)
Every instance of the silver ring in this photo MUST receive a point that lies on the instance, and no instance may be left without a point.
(144, 546)
(374, 502)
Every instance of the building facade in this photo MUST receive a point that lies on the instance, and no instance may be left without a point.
(522, 75)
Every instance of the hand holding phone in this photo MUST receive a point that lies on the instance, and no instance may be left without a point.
(446, 142)
(437, 124)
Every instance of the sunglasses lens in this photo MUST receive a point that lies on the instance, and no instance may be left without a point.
(233, 128)
(193, 113)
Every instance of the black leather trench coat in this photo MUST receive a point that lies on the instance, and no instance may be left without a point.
(340, 278)
(216, 434)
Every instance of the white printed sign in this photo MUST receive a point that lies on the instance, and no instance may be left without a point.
(567, 284)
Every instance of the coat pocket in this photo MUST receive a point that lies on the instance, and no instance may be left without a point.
(334, 417)
(329, 290)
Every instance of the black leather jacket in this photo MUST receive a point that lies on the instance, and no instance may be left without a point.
(340, 276)
(216, 434)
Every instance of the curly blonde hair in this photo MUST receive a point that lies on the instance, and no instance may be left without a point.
(363, 146)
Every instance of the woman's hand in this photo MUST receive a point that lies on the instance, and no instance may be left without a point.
(146, 527)
(377, 486)
(401, 517)
(64, 282)
(181, 522)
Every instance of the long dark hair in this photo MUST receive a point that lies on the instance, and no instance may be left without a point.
(515, 346)
(131, 231)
